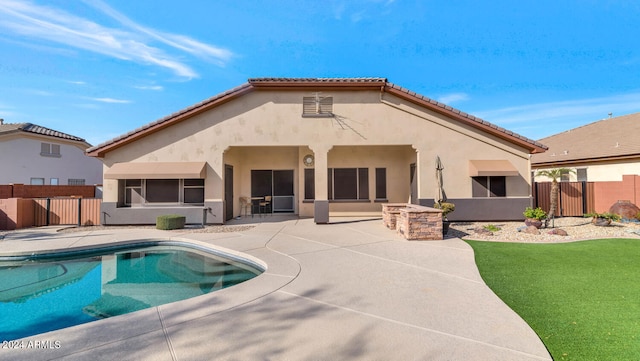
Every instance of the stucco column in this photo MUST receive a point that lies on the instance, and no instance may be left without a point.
(321, 202)
(424, 167)
(214, 188)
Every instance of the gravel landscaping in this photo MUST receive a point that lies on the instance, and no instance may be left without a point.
(186, 229)
(577, 228)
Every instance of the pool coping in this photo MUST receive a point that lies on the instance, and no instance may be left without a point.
(170, 314)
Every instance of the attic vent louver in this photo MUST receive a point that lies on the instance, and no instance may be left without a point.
(317, 106)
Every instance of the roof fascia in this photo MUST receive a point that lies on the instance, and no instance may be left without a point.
(325, 85)
(583, 161)
(19, 133)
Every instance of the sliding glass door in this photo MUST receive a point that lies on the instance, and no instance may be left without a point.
(275, 183)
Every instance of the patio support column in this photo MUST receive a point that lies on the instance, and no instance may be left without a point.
(321, 201)
(423, 166)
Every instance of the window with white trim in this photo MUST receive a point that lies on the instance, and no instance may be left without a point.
(75, 182)
(581, 174)
(50, 150)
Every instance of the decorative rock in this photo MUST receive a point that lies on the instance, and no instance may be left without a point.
(521, 229)
(558, 231)
(483, 231)
(533, 222)
(625, 209)
(601, 222)
(531, 230)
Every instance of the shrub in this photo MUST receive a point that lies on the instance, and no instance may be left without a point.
(446, 208)
(170, 221)
(492, 228)
(606, 215)
(537, 213)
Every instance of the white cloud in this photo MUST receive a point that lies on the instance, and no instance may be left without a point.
(543, 119)
(360, 10)
(111, 100)
(7, 112)
(39, 92)
(77, 82)
(588, 109)
(453, 98)
(149, 87)
(357, 16)
(86, 106)
(133, 42)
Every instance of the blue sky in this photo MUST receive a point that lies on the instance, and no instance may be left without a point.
(100, 68)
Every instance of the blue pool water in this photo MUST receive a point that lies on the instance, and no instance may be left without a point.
(50, 293)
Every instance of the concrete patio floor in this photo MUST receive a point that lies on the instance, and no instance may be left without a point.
(343, 291)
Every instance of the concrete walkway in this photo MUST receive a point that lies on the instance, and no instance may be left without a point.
(350, 290)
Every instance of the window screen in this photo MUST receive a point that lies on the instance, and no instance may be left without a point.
(162, 190)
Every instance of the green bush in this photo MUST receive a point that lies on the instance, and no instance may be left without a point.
(537, 213)
(605, 215)
(170, 221)
(492, 228)
(446, 208)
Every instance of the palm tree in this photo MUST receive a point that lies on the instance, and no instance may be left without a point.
(555, 174)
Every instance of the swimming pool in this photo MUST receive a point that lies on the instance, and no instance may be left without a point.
(46, 292)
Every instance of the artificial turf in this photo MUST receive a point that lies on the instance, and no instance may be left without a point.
(581, 298)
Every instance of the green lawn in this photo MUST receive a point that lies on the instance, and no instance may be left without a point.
(581, 298)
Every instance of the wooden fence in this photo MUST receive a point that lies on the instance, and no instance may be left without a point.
(576, 198)
(78, 211)
(44, 191)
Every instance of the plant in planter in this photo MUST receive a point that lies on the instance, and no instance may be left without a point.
(534, 217)
(446, 209)
(603, 219)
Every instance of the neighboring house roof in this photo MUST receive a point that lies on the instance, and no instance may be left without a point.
(380, 84)
(609, 139)
(36, 129)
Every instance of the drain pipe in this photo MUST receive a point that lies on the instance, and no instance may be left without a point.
(79, 212)
(204, 216)
(48, 218)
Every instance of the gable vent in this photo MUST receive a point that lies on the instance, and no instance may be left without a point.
(317, 106)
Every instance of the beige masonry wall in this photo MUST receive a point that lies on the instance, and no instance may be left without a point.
(265, 130)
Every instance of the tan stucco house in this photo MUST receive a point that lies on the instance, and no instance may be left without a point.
(37, 155)
(602, 151)
(319, 147)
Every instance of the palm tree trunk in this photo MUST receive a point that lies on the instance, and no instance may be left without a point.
(554, 199)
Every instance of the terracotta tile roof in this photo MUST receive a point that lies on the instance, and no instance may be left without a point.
(293, 83)
(613, 138)
(318, 80)
(36, 129)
